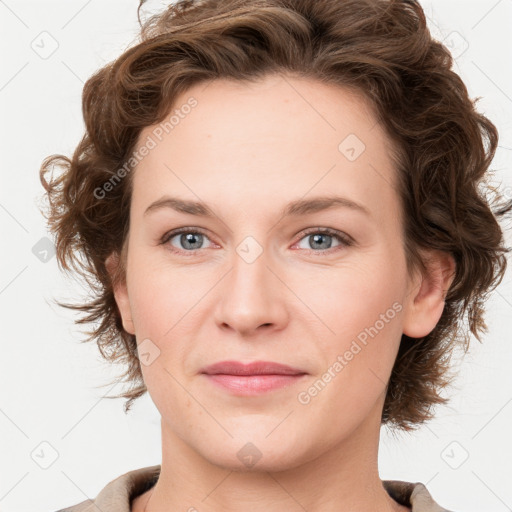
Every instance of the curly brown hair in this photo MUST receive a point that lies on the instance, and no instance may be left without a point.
(381, 48)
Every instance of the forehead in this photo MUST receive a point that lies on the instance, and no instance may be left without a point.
(281, 136)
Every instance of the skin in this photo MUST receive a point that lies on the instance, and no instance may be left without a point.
(247, 150)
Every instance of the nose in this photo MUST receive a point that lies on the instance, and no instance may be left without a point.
(252, 297)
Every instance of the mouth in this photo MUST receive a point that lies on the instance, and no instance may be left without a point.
(253, 378)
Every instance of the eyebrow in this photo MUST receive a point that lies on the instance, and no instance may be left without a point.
(295, 208)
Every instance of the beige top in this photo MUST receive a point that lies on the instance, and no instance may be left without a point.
(118, 495)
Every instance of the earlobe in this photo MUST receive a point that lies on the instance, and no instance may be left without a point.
(120, 293)
(426, 300)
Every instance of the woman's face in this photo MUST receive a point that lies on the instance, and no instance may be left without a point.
(253, 278)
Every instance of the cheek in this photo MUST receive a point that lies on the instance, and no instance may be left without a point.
(162, 303)
(354, 302)
(358, 360)
(159, 298)
(360, 312)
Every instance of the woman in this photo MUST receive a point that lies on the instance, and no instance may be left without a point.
(282, 203)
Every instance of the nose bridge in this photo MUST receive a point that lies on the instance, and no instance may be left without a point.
(250, 296)
(250, 264)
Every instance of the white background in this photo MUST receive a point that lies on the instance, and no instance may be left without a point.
(51, 383)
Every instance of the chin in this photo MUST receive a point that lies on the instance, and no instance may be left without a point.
(253, 461)
(254, 452)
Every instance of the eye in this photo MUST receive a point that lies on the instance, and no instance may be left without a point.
(185, 239)
(321, 239)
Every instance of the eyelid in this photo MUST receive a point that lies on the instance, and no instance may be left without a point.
(344, 237)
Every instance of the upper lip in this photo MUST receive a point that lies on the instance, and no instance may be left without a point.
(254, 368)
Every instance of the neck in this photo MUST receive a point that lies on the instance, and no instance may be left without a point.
(344, 477)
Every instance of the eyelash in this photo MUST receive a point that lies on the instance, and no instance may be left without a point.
(344, 239)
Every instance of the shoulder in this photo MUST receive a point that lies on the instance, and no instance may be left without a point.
(118, 494)
(84, 506)
(414, 495)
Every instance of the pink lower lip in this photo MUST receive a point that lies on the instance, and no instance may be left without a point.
(252, 384)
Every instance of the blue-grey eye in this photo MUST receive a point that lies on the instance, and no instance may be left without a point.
(319, 241)
(188, 241)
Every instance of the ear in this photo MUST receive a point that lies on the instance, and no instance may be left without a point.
(425, 302)
(120, 293)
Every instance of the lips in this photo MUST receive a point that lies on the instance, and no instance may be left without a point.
(251, 379)
(254, 368)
